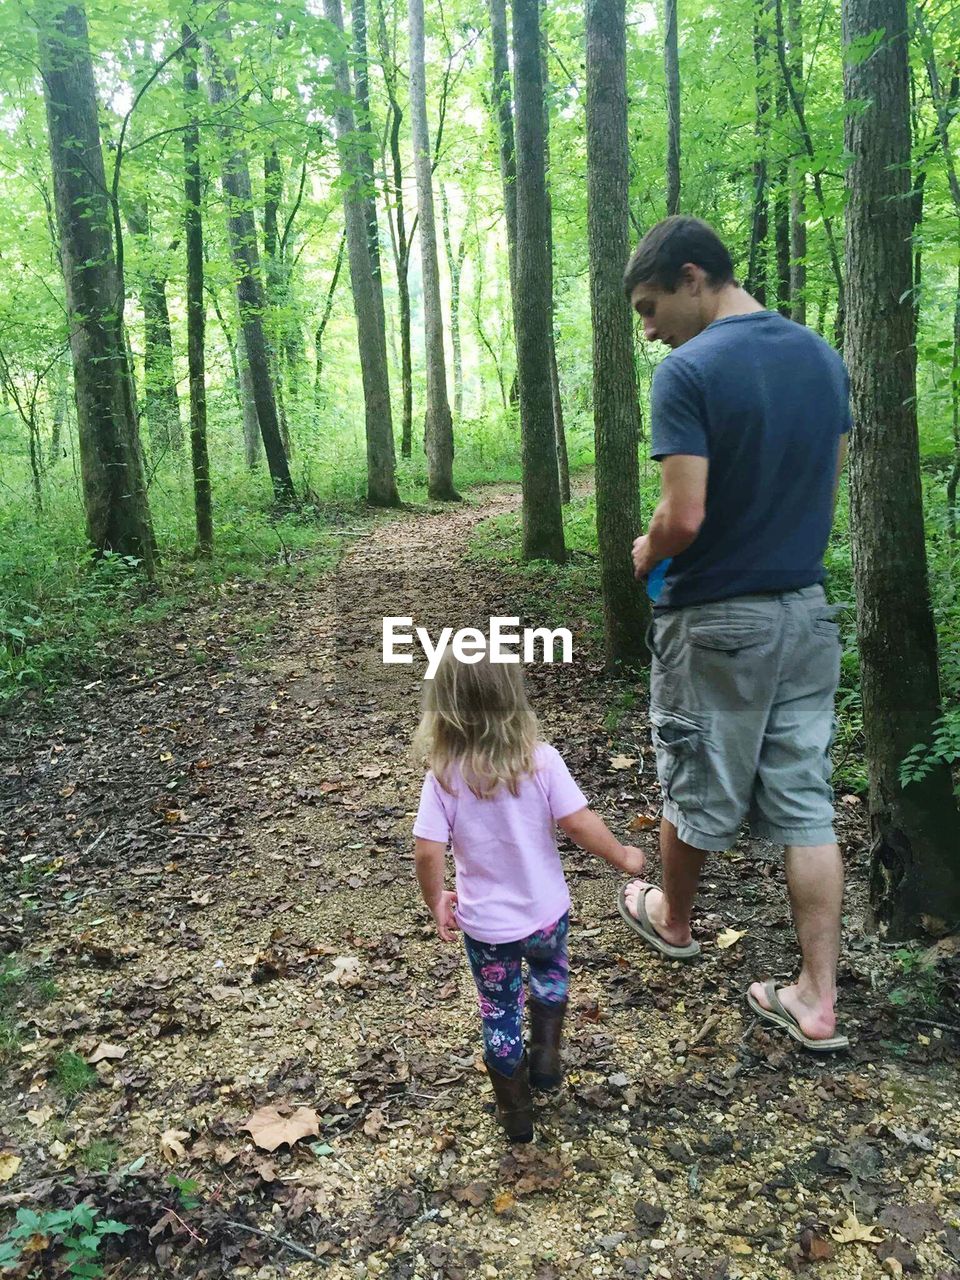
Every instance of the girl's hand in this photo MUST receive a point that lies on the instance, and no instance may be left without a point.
(443, 910)
(633, 860)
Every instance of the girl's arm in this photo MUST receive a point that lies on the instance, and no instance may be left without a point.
(590, 832)
(430, 856)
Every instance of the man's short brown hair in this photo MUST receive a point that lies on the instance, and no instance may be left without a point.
(661, 254)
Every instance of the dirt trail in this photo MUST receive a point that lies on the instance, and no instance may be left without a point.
(211, 854)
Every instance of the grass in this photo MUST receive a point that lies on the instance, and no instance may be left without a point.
(73, 1074)
(99, 1155)
(21, 987)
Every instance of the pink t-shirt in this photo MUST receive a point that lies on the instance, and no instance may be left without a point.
(509, 878)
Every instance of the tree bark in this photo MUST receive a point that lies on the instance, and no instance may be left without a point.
(114, 492)
(371, 337)
(563, 462)
(503, 105)
(542, 517)
(915, 829)
(798, 177)
(251, 299)
(671, 65)
(756, 282)
(616, 412)
(438, 424)
(455, 270)
(196, 308)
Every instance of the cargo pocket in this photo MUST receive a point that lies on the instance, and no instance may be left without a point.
(678, 742)
(824, 622)
(731, 660)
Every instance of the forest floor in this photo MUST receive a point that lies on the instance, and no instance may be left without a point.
(210, 894)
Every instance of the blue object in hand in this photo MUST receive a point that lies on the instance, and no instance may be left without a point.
(656, 576)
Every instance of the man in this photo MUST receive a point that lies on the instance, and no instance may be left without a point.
(750, 414)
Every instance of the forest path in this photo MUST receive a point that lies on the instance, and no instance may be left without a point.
(211, 856)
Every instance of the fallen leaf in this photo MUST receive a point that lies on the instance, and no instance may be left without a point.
(815, 1247)
(345, 972)
(269, 1129)
(40, 1115)
(9, 1164)
(936, 926)
(622, 762)
(374, 1123)
(474, 1193)
(855, 1232)
(105, 1051)
(503, 1203)
(643, 822)
(68, 790)
(729, 937)
(171, 1145)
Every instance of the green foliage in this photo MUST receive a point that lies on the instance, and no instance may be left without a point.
(21, 985)
(76, 1234)
(73, 1074)
(99, 1155)
(922, 984)
(943, 749)
(186, 1189)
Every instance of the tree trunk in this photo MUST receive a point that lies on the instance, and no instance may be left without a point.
(916, 829)
(455, 268)
(616, 413)
(252, 441)
(321, 327)
(954, 479)
(756, 282)
(251, 299)
(503, 106)
(196, 309)
(371, 337)
(438, 428)
(798, 177)
(542, 517)
(671, 64)
(563, 462)
(358, 19)
(781, 211)
(161, 402)
(59, 414)
(273, 279)
(114, 492)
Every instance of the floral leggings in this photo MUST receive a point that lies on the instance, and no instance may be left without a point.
(497, 971)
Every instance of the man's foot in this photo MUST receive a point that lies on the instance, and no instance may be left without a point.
(656, 933)
(813, 1020)
(656, 912)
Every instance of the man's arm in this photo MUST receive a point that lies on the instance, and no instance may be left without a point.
(680, 512)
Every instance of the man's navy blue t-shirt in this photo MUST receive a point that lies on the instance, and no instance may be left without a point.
(766, 400)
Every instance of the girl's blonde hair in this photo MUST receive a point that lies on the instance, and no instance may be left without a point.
(476, 715)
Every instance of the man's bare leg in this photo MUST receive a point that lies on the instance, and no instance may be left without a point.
(669, 908)
(815, 881)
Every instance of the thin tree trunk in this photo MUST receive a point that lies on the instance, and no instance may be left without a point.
(114, 491)
(358, 20)
(671, 64)
(756, 282)
(371, 336)
(798, 178)
(563, 462)
(161, 402)
(503, 105)
(252, 442)
(273, 279)
(796, 101)
(616, 412)
(246, 260)
(954, 479)
(196, 309)
(916, 828)
(781, 213)
(542, 517)
(324, 319)
(478, 299)
(59, 413)
(454, 268)
(438, 425)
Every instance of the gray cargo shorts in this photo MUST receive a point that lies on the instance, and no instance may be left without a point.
(741, 707)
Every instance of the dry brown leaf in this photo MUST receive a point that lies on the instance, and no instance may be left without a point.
(643, 822)
(474, 1193)
(855, 1232)
(105, 1051)
(269, 1129)
(622, 762)
(504, 1203)
(171, 1145)
(9, 1164)
(730, 937)
(39, 1116)
(374, 1123)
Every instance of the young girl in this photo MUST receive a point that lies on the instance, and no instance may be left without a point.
(495, 791)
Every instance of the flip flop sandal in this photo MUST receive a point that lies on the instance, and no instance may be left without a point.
(640, 923)
(778, 1016)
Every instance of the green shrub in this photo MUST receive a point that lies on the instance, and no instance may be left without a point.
(76, 1234)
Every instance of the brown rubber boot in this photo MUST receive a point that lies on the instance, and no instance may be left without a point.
(546, 1026)
(514, 1103)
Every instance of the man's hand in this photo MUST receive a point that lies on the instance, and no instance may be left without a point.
(442, 911)
(643, 561)
(633, 860)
